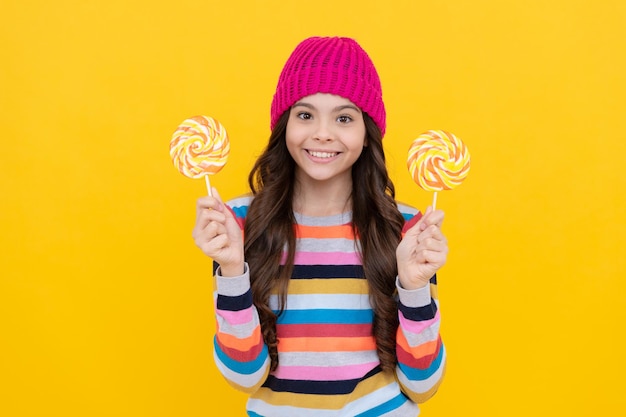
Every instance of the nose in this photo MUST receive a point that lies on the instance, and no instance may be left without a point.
(323, 132)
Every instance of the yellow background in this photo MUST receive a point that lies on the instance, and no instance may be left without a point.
(105, 303)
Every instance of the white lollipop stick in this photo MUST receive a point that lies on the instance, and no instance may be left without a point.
(435, 200)
(208, 185)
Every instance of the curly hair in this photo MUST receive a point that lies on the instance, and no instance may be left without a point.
(376, 221)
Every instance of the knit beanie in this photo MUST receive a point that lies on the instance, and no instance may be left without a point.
(332, 65)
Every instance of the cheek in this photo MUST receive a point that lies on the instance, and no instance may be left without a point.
(291, 142)
(359, 140)
(295, 134)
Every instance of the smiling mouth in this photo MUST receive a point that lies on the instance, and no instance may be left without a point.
(318, 154)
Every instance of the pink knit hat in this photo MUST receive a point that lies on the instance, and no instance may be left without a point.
(330, 65)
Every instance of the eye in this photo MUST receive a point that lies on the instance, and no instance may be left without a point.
(344, 119)
(304, 115)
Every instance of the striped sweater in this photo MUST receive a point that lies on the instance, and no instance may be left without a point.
(328, 364)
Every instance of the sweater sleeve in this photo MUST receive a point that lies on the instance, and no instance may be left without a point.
(420, 351)
(239, 351)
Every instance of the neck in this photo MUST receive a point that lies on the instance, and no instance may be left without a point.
(322, 198)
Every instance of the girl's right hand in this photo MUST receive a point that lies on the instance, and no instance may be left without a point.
(218, 235)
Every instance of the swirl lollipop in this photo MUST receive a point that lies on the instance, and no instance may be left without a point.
(200, 146)
(438, 160)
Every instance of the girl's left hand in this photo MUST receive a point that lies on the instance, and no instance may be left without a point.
(422, 251)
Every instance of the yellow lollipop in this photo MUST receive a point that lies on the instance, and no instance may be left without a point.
(200, 146)
(438, 160)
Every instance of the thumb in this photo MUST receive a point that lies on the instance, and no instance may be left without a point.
(420, 225)
(413, 227)
(216, 195)
(222, 206)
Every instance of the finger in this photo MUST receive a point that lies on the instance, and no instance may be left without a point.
(206, 215)
(208, 202)
(433, 244)
(217, 196)
(432, 239)
(217, 229)
(415, 230)
(434, 217)
(215, 226)
(436, 259)
(222, 248)
(433, 257)
(202, 220)
(203, 206)
(223, 208)
(213, 239)
(209, 223)
(432, 231)
(215, 243)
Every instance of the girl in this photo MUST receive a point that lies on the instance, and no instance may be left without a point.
(326, 296)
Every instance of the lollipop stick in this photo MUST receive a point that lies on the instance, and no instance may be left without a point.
(208, 185)
(435, 200)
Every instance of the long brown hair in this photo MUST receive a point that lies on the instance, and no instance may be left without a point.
(375, 220)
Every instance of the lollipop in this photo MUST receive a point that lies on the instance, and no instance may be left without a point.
(200, 146)
(438, 160)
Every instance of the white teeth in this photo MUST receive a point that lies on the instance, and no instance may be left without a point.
(322, 154)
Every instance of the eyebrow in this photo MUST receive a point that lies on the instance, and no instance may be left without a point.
(336, 109)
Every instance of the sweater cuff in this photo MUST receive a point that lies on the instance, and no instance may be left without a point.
(419, 297)
(233, 286)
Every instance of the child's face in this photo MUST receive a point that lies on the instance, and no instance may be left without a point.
(325, 136)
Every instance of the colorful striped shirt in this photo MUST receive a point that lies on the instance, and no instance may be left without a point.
(328, 365)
